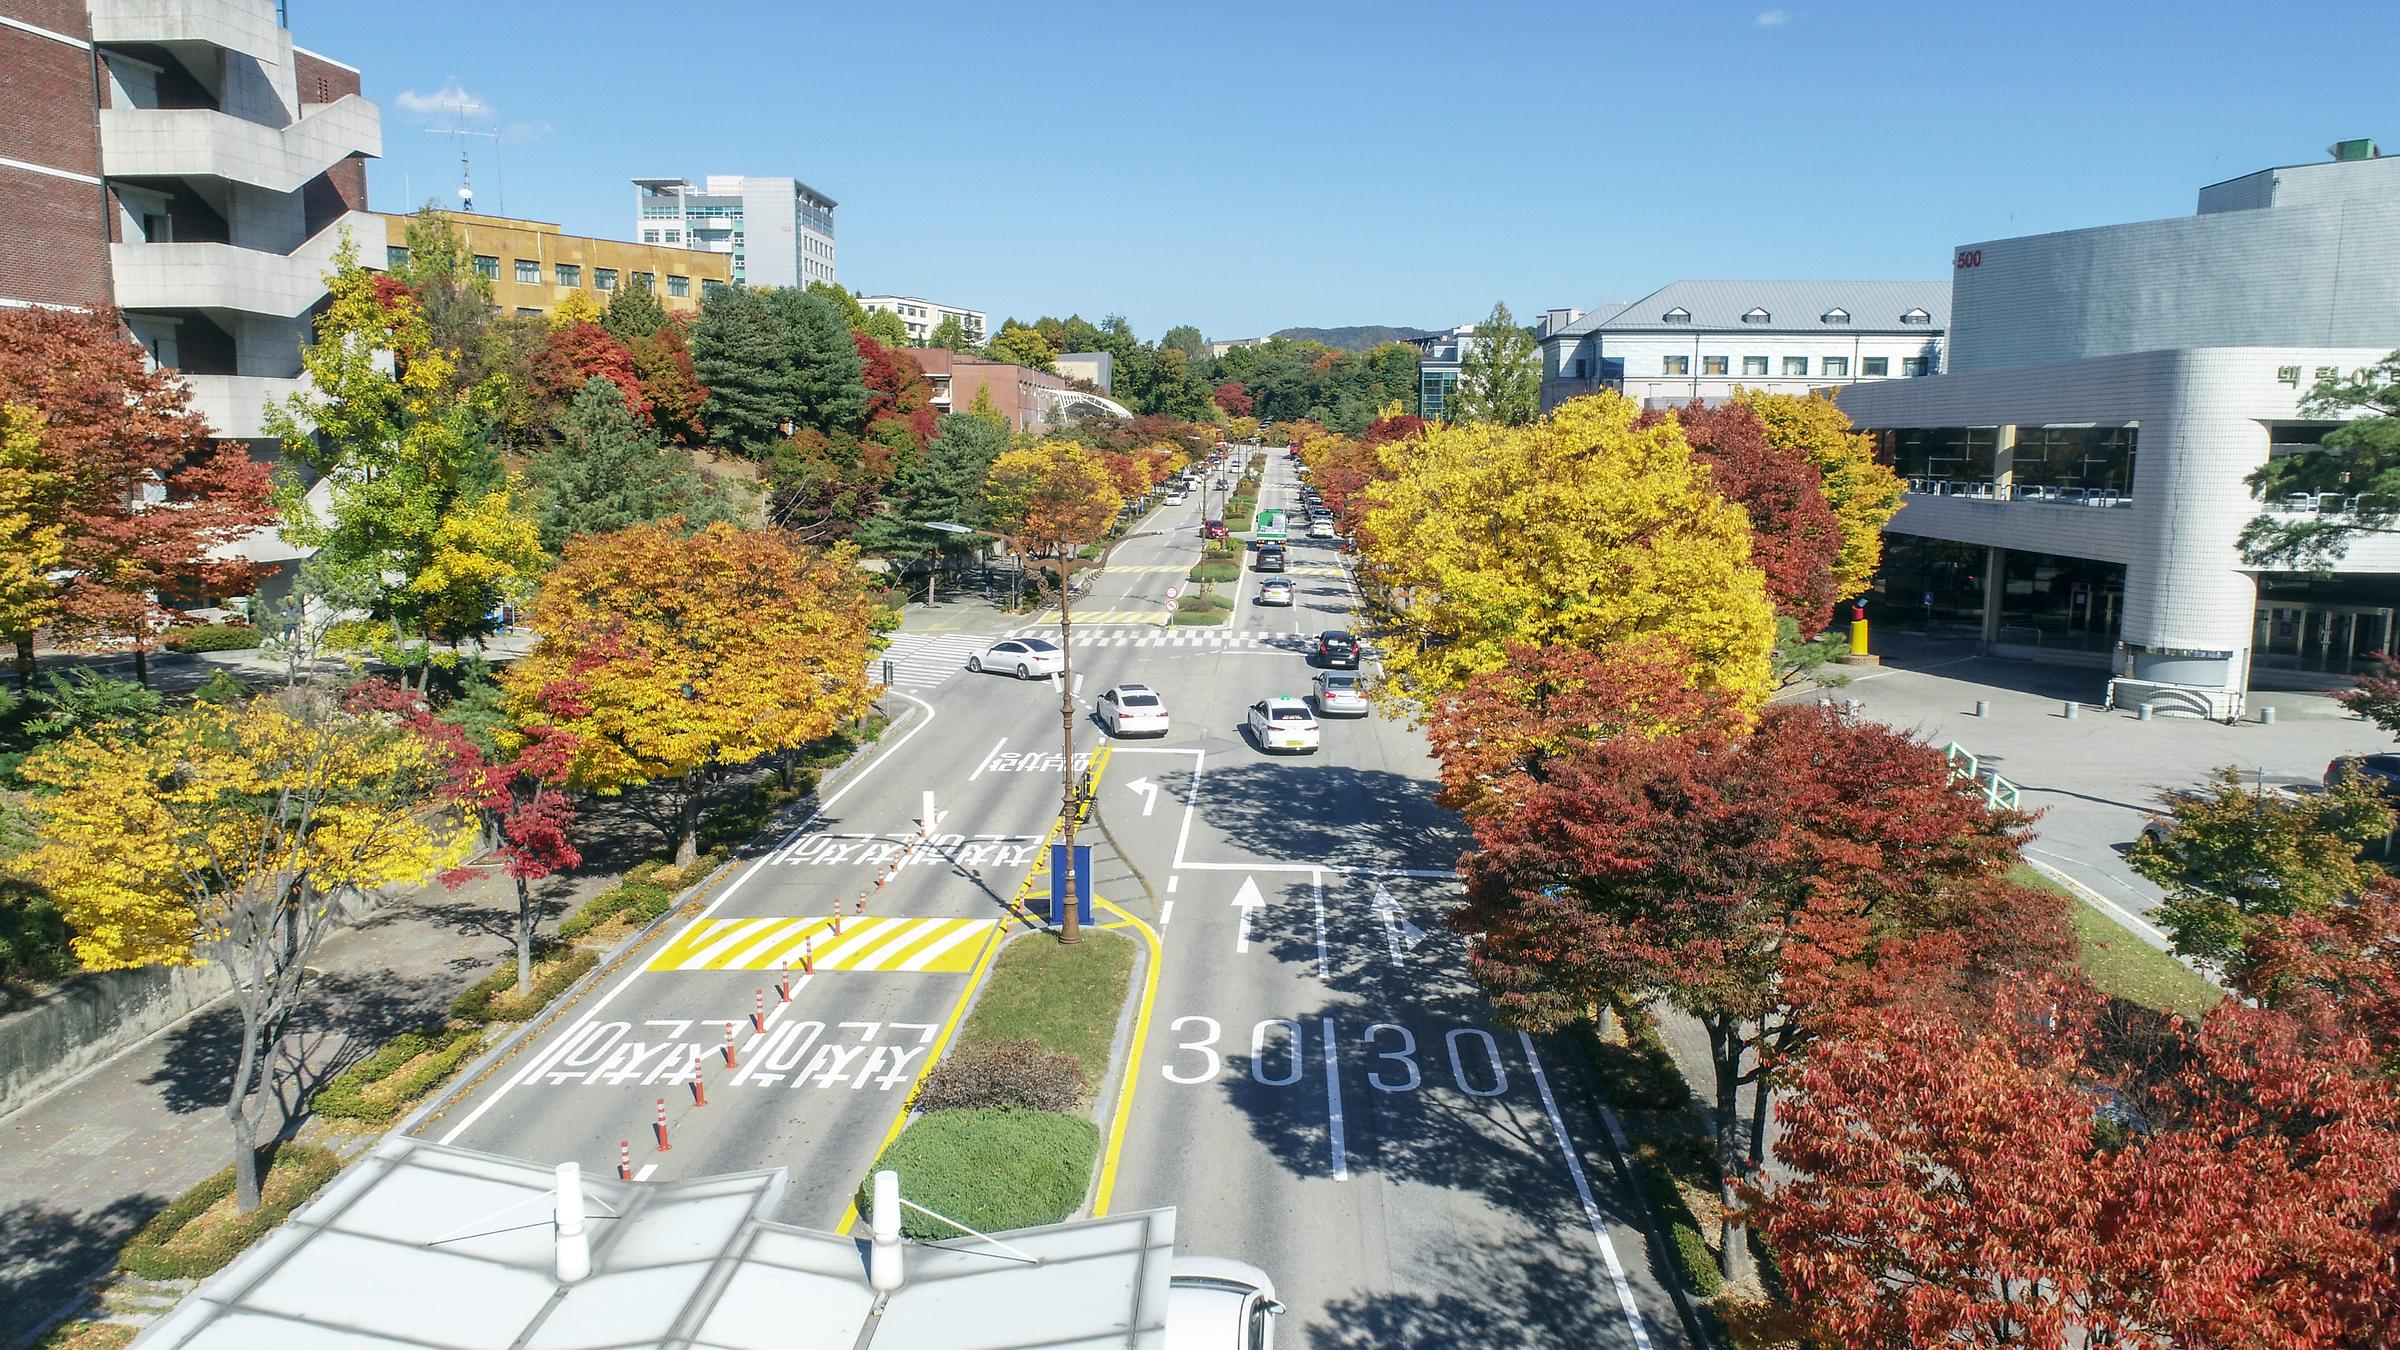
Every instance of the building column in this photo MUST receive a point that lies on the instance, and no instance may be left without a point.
(1995, 587)
(2004, 462)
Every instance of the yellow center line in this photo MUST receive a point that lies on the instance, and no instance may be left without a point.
(1133, 1063)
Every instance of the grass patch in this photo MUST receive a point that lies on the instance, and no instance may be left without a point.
(1216, 572)
(1206, 616)
(1065, 998)
(201, 1231)
(2120, 964)
(381, 1086)
(494, 998)
(89, 1336)
(992, 1170)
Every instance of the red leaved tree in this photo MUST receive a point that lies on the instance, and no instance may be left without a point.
(573, 353)
(663, 361)
(1397, 427)
(146, 504)
(1234, 399)
(897, 389)
(1758, 881)
(1794, 535)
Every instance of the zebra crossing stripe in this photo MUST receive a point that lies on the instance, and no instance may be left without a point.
(922, 945)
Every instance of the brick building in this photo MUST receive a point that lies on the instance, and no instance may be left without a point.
(1027, 399)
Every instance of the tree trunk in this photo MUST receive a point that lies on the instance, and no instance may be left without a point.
(687, 821)
(524, 937)
(141, 663)
(1725, 1054)
(24, 661)
(237, 1113)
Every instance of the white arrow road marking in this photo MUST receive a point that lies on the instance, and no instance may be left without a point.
(1410, 935)
(1248, 899)
(1149, 791)
(1388, 912)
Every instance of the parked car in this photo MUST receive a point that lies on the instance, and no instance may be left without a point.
(1025, 658)
(1320, 529)
(1217, 1304)
(1283, 723)
(1337, 650)
(1339, 693)
(1214, 529)
(2383, 769)
(1274, 591)
(1270, 558)
(1133, 710)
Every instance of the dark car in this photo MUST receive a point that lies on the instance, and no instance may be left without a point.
(1214, 529)
(1270, 558)
(2382, 770)
(1337, 650)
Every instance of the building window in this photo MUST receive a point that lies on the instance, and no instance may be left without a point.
(1795, 367)
(1676, 315)
(1754, 365)
(1835, 367)
(1836, 315)
(674, 236)
(710, 286)
(1712, 365)
(648, 281)
(1678, 365)
(527, 309)
(678, 285)
(1758, 316)
(529, 271)
(1874, 366)
(395, 257)
(1912, 365)
(567, 274)
(649, 236)
(1916, 316)
(604, 278)
(1579, 367)
(487, 267)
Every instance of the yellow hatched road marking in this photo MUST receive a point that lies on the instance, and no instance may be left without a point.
(940, 946)
(1085, 618)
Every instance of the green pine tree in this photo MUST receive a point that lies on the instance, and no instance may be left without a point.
(827, 376)
(738, 353)
(633, 312)
(1500, 378)
(609, 471)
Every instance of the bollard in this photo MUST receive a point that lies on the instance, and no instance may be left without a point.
(699, 1084)
(661, 1127)
(837, 920)
(2142, 713)
(862, 902)
(785, 985)
(808, 957)
(624, 1160)
(1850, 706)
(2266, 717)
(1983, 707)
(729, 1042)
(2072, 706)
(758, 1016)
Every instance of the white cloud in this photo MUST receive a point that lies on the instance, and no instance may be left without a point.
(448, 101)
(1773, 18)
(525, 133)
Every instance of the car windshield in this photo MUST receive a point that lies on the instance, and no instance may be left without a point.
(1287, 714)
(1337, 639)
(1132, 698)
(1037, 645)
(1341, 684)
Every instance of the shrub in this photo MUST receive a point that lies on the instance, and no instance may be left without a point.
(214, 637)
(221, 687)
(1656, 1165)
(1639, 1074)
(992, 1170)
(165, 1250)
(1215, 572)
(381, 1086)
(638, 901)
(494, 997)
(1004, 1073)
(1692, 1257)
(1203, 615)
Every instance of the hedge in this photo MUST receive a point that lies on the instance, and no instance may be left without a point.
(1656, 1171)
(1215, 571)
(1638, 1075)
(992, 1170)
(214, 637)
(1004, 1073)
(386, 1083)
(639, 901)
(296, 1172)
(1208, 617)
(494, 998)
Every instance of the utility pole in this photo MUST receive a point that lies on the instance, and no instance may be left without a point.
(1070, 928)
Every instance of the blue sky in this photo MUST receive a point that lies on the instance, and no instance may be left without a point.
(1245, 167)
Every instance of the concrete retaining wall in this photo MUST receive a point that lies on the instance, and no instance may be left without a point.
(91, 1017)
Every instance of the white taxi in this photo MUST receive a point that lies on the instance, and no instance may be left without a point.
(1283, 723)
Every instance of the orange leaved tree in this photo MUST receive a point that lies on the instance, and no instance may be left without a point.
(669, 657)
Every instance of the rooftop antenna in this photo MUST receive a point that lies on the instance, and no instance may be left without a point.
(466, 177)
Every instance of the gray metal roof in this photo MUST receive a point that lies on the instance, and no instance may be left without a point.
(423, 1246)
(1794, 307)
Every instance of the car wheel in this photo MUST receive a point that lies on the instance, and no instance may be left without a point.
(1024, 672)
(975, 664)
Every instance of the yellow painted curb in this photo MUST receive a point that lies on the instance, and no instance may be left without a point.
(1133, 1061)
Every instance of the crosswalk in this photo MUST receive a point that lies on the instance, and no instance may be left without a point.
(921, 661)
(1255, 639)
(927, 946)
(1049, 618)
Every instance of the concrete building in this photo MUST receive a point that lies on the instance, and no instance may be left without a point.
(1439, 356)
(1098, 369)
(1027, 399)
(2032, 522)
(923, 316)
(779, 231)
(1704, 339)
(533, 266)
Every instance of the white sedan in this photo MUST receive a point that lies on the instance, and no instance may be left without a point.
(1320, 529)
(1133, 710)
(1283, 723)
(1217, 1304)
(1025, 658)
(1340, 693)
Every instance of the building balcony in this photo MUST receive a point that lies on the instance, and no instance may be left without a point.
(236, 405)
(203, 143)
(226, 278)
(244, 26)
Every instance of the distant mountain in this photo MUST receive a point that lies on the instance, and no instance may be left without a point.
(1358, 338)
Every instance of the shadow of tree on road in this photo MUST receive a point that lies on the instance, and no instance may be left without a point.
(1335, 816)
(46, 1254)
(1526, 1297)
(347, 1015)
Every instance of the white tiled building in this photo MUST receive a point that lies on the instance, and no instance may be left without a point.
(779, 230)
(1704, 339)
(2033, 523)
(922, 316)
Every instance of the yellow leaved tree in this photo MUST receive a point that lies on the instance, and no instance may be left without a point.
(1582, 530)
(1863, 492)
(669, 656)
(32, 545)
(233, 835)
(579, 307)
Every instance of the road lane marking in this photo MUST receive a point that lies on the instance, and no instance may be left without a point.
(1583, 1192)
(1166, 914)
(1333, 1106)
(1247, 900)
(1317, 879)
(988, 757)
(927, 954)
(1171, 884)
(643, 1172)
(1107, 1188)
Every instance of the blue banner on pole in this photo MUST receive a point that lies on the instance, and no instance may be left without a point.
(1083, 883)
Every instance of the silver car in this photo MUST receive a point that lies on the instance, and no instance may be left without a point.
(1217, 1304)
(1339, 693)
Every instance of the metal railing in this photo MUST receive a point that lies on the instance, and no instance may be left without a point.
(1998, 793)
(1982, 490)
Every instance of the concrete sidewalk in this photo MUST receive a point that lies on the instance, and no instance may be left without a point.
(83, 1167)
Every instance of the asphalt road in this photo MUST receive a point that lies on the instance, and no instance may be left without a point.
(1321, 1092)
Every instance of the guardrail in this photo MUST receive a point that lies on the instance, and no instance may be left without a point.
(1975, 489)
(1998, 793)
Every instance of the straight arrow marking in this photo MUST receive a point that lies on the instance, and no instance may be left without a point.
(1248, 900)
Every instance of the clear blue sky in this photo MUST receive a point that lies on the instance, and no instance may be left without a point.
(1245, 167)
